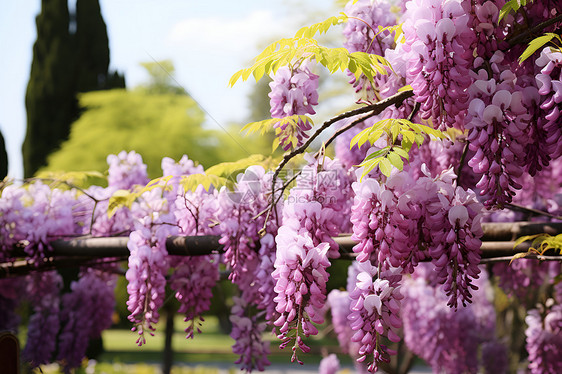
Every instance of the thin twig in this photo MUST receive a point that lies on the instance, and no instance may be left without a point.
(345, 128)
(509, 258)
(531, 211)
(414, 111)
(461, 162)
(374, 108)
(523, 37)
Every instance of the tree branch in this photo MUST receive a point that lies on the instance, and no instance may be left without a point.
(524, 36)
(531, 211)
(374, 108)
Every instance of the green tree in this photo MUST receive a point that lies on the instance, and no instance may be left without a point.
(161, 78)
(92, 46)
(63, 64)
(154, 125)
(3, 158)
(50, 98)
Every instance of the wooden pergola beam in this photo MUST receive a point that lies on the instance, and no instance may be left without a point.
(497, 243)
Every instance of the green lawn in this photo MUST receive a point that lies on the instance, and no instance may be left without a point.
(203, 353)
(209, 346)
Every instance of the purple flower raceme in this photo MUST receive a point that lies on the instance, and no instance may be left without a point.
(522, 277)
(490, 34)
(184, 166)
(300, 273)
(247, 332)
(385, 222)
(86, 311)
(293, 91)
(195, 214)
(495, 359)
(194, 276)
(339, 303)
(544, 338)
(148, 262)
(313, 213)
(329, 365)
(362, 34)
(32, 217)
(375, 312)
(438, 40)
(549, 82)
(447, 339)
(126, 170)
(43, 289)
(496, 123)
(250, 255)
(10, 291)
(405, 221)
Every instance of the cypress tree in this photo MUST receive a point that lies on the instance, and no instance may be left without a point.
(50, 99)
(92, 46)
(64, 64)
(3, 158)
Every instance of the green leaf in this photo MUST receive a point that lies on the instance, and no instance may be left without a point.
(401, 152)
(228, 169)
(524, 239)
(120, 198)
(80, 179)
(536, 44)
(234, 78)
(261, 126)
(396, 160)
(368, 166)
(191, 182)
(360, 138)
(512, 5)
(519, 255)
(275, 145)
(285, 51)
(405, 88)
(385, 166)
(321, 27)
(379, 153)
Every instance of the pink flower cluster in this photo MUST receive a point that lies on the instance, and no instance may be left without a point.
(43, 290)
(375, 312)
(544, 339)
(405, 221)
(522, 277)
(31, 217)
(329, 365)
(148, 263)
(496, 123)
(126, 170)
(449, 340)
(300, 272)
(438, 40)
(359, 32)
(385, 220)
(250, 251)
(247, 332)
(490, 36)
(549, 82)
(293, 91)
(86, 311)
(194, 276)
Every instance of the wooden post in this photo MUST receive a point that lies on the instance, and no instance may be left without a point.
(9, 353)
(168, 359)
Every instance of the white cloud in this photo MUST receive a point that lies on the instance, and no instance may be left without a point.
(238, 35)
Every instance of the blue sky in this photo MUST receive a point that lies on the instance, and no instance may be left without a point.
(207, 41)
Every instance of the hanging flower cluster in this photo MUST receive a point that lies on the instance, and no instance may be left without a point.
(293, 91)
